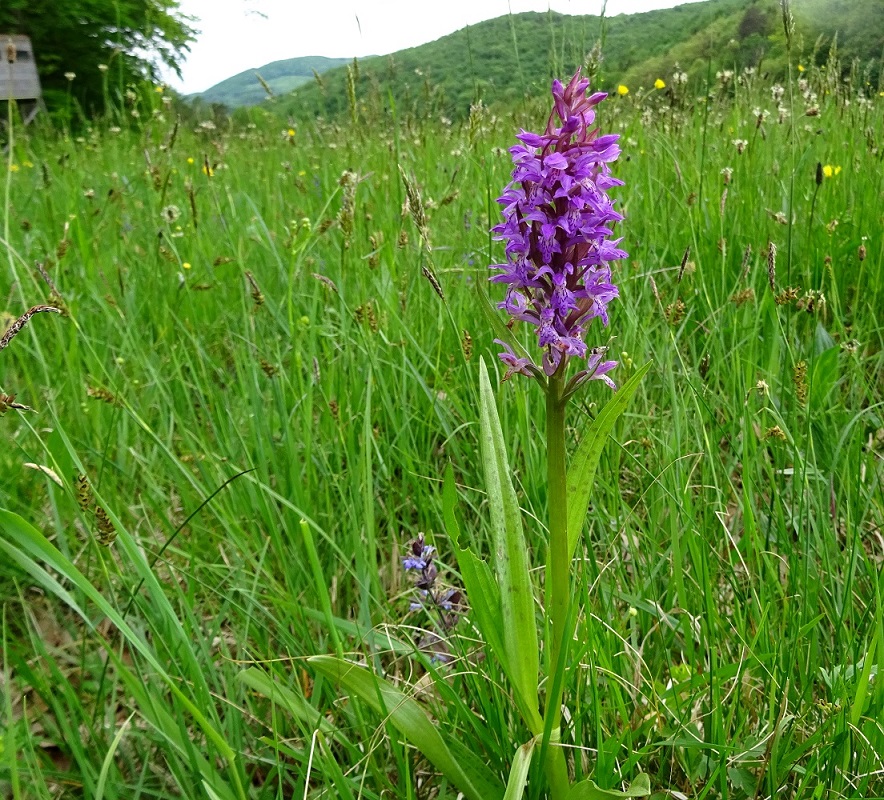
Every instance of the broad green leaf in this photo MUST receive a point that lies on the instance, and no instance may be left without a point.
(484, 596)
(587, 790)
(449, 506)
(510, 556)
(515, 785)
(585, 461)
(28, 548)
(475, 780)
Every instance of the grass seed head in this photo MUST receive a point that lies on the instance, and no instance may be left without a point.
(772, 266)
(15, 328)
(327, 282)
(7, 403)
(415, 207)
(257, 297)
(430, 275)
(84, 492)
(775, 432)
(105, 395)
(799, 378)
(814, 301)
(684, 261)
(675, 312)
(466, 344)
(787, 296)
(747, 262)
(744, 296)
(347, 212)
(106, 533)
(704, 366)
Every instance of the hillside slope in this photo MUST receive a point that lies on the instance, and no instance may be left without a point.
(245, 89)
(514, 56)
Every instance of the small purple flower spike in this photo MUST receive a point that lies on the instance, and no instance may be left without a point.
(557, 220)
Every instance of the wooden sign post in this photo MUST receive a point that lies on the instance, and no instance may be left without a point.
(19, 80)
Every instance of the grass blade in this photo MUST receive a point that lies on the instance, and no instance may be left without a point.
(407, 716)
(23, 544)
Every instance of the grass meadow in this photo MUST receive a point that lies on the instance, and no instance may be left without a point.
(264, 391)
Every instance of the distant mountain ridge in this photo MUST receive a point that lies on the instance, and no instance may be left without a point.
(245, 89)
(514, 56)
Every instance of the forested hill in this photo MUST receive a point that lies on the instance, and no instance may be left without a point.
(281, 77)
(517, 55)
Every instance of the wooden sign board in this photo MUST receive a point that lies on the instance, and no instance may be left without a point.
(19, 79)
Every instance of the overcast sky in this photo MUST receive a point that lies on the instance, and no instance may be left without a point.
(236, 35)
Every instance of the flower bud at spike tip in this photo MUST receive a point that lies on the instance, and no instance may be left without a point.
(557, 220)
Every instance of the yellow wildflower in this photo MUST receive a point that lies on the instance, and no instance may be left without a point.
(659, 83)
(291, 133)
(622, 90)
(158, 89)
(13, 167)
(186, 265)
(28, 164)
(828, 171)
(800, 68)
(190, 160)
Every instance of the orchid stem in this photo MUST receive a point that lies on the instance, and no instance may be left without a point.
(558, 575)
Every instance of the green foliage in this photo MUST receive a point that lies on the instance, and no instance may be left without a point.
(587, 790)
(586, 457)
(730, 562)
(510, 560)
(457, 763)
(78, 36)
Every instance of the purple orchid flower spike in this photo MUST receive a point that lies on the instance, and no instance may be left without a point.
(557, 220)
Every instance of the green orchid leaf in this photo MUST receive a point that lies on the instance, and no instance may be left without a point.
(515, 786)
(585, 460)
(510, 557)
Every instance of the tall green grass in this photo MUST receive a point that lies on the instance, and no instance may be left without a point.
(731, 563)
